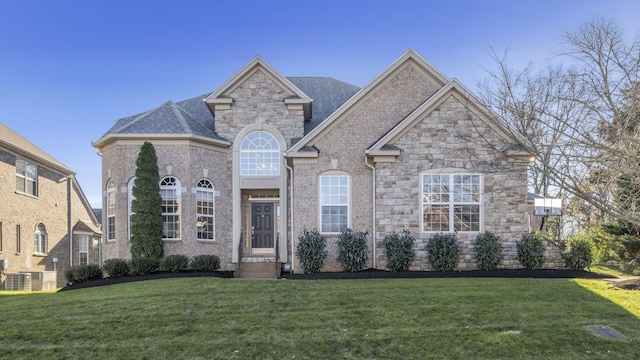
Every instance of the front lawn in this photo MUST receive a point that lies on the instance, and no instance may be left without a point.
(199, 318)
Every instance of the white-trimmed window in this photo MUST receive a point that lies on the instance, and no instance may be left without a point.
(111, 210)
(96, 250)
(334, 203)
(170, 193)
(40, 240)
(130, 199)
(26, 177)
(83, 249)
(451, 202)
(259, 155)
(205, 210)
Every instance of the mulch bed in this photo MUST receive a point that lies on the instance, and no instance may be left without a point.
(374, 274)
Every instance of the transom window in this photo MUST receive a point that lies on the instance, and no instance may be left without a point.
(111, 210)
(40, 240)
(259, 155)
(334, 203)
(170, 193)
(26, 177)
(205, 210)
(451, 202)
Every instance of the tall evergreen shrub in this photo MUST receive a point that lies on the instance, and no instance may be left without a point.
(399, 250)
(146, 221)
(442, 251)
(488, 251)
(531, 251)
(353, 250)
(311, 250)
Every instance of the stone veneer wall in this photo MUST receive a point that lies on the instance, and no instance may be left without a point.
(449, 137)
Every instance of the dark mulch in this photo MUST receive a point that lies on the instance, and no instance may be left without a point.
(366, 274)
(631, 284)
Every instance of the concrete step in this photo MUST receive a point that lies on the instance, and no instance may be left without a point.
(258, 270)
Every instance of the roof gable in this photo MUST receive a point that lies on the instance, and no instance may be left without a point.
(20, 145)
(452, 88)
(220, 96)
(331, 120)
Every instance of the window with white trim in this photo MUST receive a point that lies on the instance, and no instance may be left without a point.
(130, 199)
(96, 250)
(40, 240)
(83, 249)
(170, 193)
(259, 155)
(334, 203)
(205, 210)
(26, 177)
(451, 202)
(111, 210)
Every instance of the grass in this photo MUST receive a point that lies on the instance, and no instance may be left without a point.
(202, 318)
(613, 270)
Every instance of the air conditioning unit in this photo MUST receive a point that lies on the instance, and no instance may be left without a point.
(19, 281)
(42, 280)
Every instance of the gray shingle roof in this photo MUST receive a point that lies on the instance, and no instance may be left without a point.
(192, 116)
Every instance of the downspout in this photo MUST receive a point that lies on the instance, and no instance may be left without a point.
(69, 225)
(286, 164)
(373, 200)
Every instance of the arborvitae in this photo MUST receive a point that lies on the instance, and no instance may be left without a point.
(146, 221)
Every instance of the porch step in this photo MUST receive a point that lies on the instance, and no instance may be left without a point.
(258, 270)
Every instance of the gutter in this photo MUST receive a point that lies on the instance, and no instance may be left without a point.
(69, 225)
(373, 212)
(291, 214)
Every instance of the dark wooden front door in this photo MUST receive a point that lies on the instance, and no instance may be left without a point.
(262, 225)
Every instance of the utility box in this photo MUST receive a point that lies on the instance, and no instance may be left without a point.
(42, 280)
(18, 282)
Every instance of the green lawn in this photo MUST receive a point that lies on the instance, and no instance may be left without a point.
(199, 318)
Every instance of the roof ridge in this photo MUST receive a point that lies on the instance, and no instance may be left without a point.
(178, 112)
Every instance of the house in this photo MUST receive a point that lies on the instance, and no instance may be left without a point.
(46, 222)
(245, 169)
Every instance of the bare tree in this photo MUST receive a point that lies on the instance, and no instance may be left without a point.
(581, 118)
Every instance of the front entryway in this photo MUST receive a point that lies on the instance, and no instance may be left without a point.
(262, 226)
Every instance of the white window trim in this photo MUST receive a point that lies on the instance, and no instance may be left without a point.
(451, 202)
(111, 191)
(213, 208)
(256, 151)
(320, 204)
(25, 178)
(40, 240)
(83, 239)
(178, 192)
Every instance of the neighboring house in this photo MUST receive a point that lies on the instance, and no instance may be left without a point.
(46, 222)
(245, 169)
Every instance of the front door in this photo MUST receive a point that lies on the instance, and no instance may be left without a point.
(262, 233)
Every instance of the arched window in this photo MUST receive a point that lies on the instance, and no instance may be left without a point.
(205, 211)
(40, 240)
(130, 199)
(259, 155)
(170, 193)
(111, 210)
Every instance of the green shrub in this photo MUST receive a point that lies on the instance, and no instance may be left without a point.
(174, 263)
(83, 273)
(205, 263)
(442, 251)
(531, 251)
(311, 250)
(399, 250)
(488, 251)
(143, 265)
(116, 267)
(353, 250)
(578, 255)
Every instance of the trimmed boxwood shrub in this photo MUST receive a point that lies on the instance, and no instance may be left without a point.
(531, 251)
(488, 251)
(205, 263)
(399, 250)
(174, 263)
(116, 267)
(578, 255)
(311, 250)
(83, 273)
(442, 251)
(143, 265)
(353, 250)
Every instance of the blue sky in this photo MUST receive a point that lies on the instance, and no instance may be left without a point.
(70, 68)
